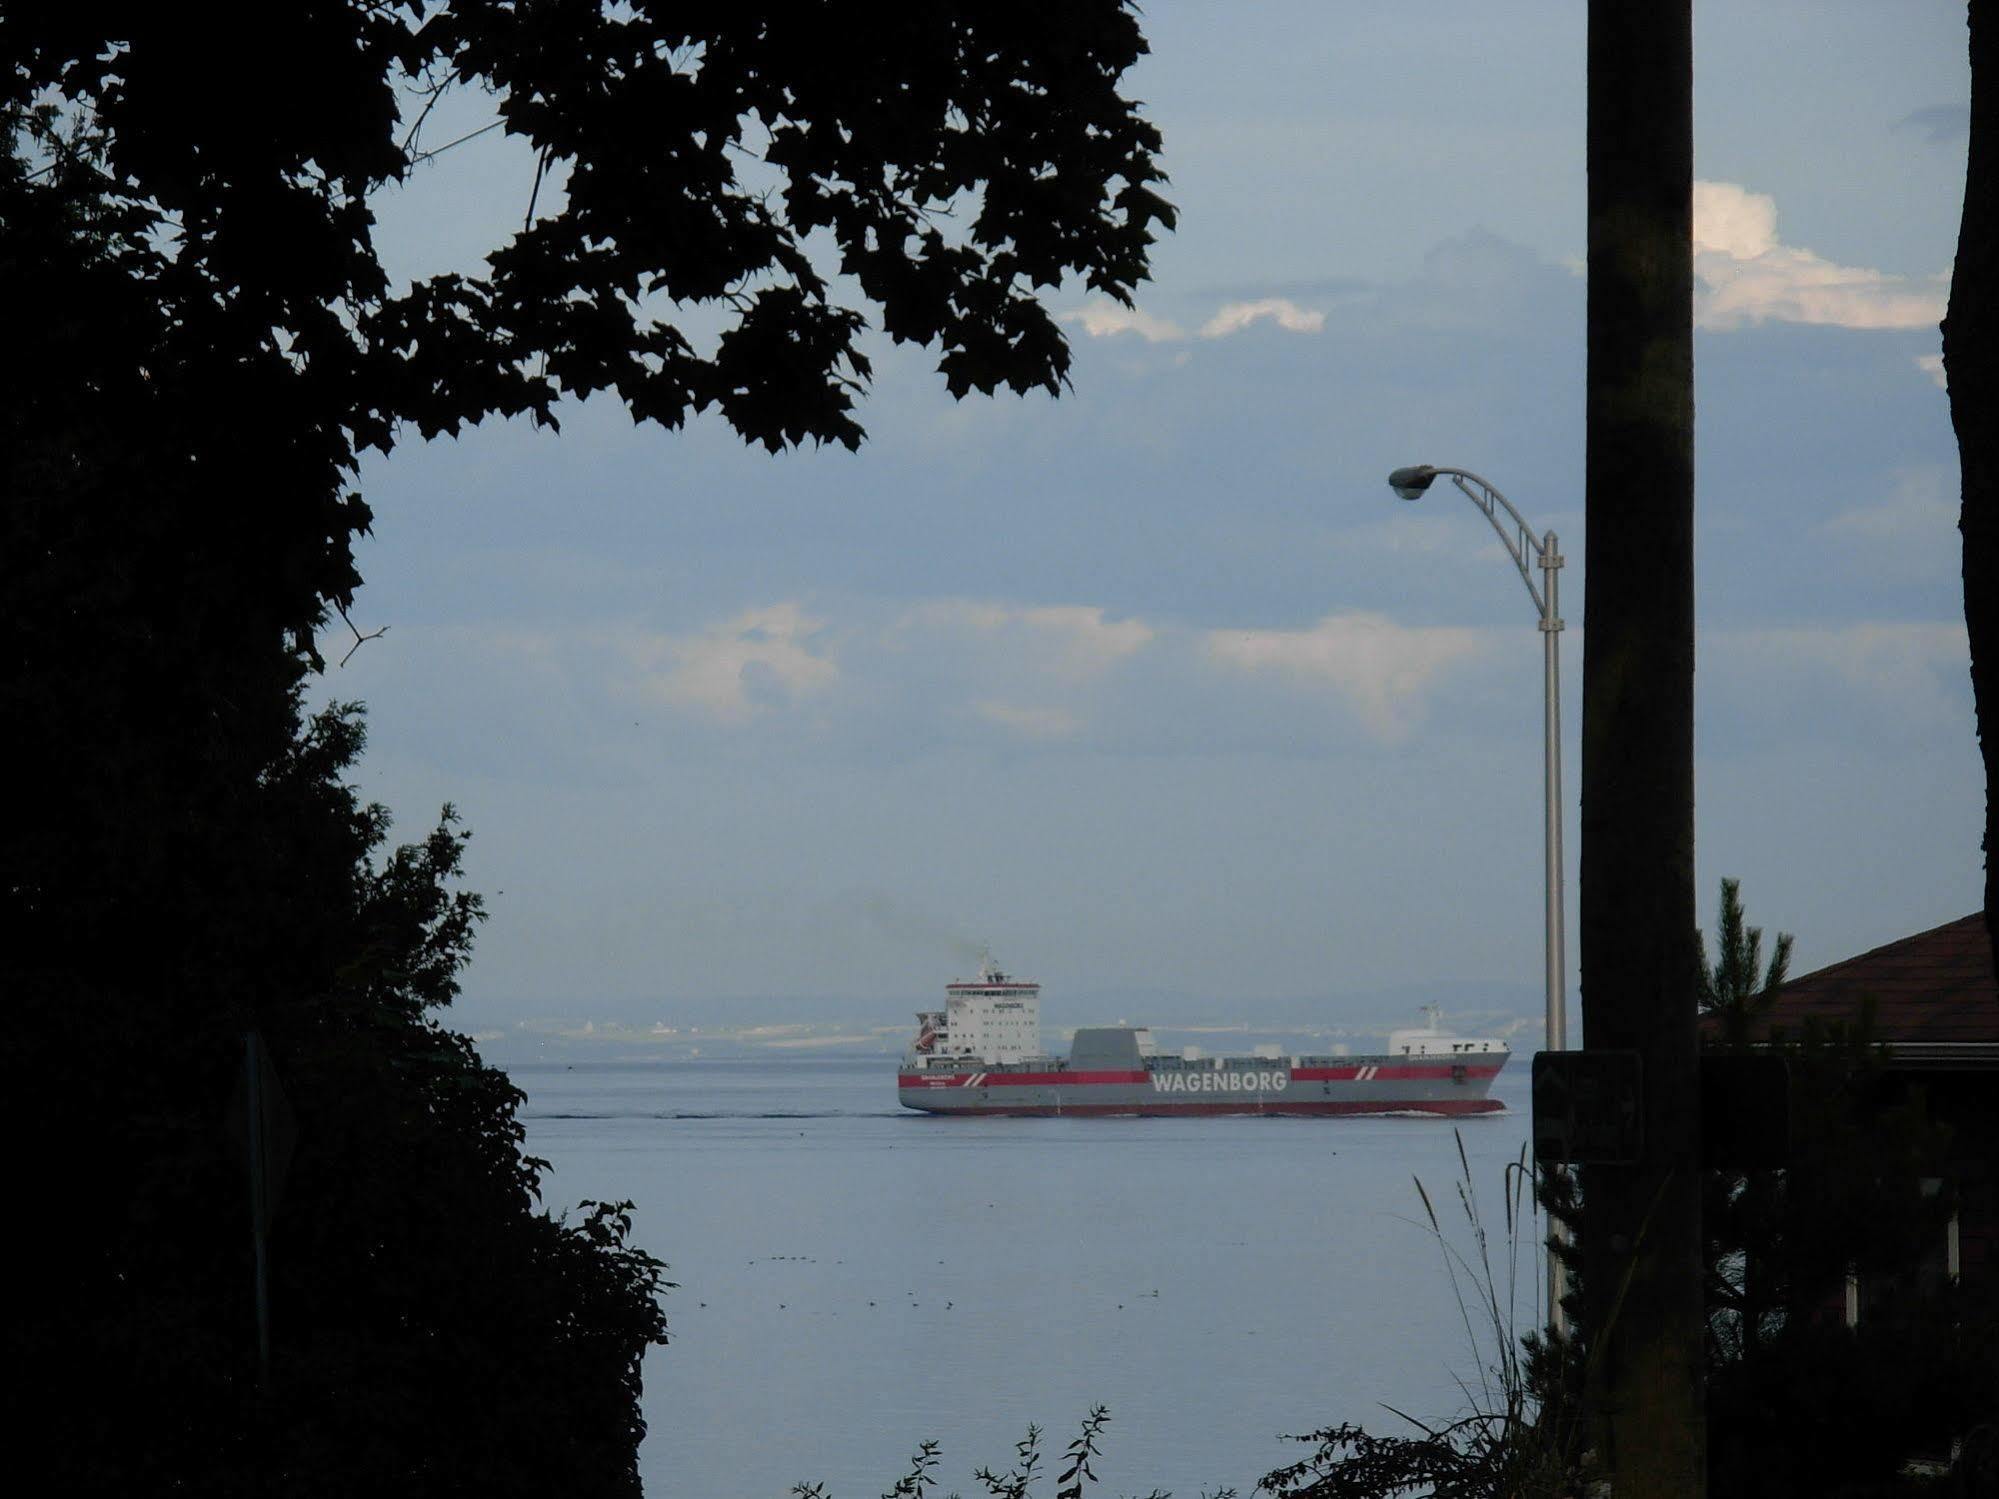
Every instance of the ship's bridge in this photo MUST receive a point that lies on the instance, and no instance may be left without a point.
(994, 1018)
(1433, 1040)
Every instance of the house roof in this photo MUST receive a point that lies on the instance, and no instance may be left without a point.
(1936, 988)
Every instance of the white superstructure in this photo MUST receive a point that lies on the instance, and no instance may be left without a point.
(1433, 1041)
(995, 1018)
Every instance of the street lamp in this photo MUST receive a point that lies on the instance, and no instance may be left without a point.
(1520, 543)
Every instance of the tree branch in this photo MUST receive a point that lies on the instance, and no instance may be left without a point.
(359, 639)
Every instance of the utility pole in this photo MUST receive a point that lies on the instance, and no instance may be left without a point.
(1641, 1221)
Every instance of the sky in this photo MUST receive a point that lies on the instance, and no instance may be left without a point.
(1156, 688)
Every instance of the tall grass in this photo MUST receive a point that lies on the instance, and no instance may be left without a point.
(1520, 1436)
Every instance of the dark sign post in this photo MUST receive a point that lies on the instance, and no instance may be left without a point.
(1587, 1107)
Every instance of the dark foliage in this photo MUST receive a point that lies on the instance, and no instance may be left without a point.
(200, 339)
(1473, 1458)
(1971, 366)
(185, 863)
(956, 159)
(1075, 1474)
(1798, 1402)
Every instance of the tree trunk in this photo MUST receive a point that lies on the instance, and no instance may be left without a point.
(1639, 963)
(1970, 348)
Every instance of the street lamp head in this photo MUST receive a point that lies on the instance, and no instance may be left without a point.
(1409, 483)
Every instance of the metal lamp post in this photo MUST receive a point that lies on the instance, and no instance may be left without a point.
(1546, 554)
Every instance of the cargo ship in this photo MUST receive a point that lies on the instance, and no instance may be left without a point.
(981, 1054)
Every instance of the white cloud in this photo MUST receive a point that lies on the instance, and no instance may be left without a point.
(1922, 508)
(1030, 722)
(977, 615)
(1910, 673)
(1103, 319)
(1730, 220)
(1086, 643)
(1236, 316)
(1071, 641)
(732, 671)
(1932, 365)
(1032, 670)
(1745, 274)
(1381, 668)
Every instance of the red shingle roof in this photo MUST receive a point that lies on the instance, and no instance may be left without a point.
(1937, 986)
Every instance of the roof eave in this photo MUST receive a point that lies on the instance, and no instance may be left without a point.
(1951, 1056)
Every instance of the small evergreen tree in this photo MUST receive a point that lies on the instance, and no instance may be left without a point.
(1730, 985)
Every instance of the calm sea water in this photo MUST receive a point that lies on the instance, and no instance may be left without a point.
(854, 1278)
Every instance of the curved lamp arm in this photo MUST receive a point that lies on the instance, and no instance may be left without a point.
(1519, 540)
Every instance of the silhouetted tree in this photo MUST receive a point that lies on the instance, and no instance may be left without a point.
(201, 338)
(1971, 369)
